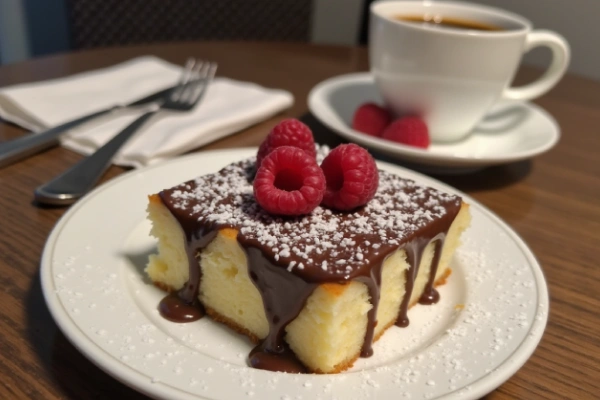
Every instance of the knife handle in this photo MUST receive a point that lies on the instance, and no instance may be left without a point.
(17, 149)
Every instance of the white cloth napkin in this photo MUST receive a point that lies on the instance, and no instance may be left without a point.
(227, 107)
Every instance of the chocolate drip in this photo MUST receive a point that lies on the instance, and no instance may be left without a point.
(414, 254)
(430, 295)
(183, 305)
(373, 283)
(283, 295)
(286, 276)
(174, 308)
(284, 361)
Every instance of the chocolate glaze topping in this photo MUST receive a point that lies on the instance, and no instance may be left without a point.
(289, 257)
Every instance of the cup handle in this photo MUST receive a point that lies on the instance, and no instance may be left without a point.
(560, 60)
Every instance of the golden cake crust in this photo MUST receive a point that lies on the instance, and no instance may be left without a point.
(304, 280)
(333, 288)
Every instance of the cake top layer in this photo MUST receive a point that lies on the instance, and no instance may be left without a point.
(325, 245)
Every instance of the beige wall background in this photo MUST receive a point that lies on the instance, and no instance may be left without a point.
(577, 20)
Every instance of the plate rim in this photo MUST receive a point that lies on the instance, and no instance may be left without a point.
(417, 155)
(139, 381)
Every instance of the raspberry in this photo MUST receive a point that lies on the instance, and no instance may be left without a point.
(352, 177)
(289, 182)
(371, 119)
(289, 132)
(408, 130)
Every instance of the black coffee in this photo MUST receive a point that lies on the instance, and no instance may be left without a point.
(449, 22)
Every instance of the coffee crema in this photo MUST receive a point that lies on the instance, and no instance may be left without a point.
(449, 22)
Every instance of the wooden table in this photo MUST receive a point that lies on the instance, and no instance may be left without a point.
(553, 202)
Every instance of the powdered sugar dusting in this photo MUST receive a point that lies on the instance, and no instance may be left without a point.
(330, 243)
(473, 339)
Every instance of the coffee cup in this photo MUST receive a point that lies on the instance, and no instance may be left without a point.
(449, 62)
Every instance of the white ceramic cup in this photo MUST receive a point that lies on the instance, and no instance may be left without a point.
(451, 77)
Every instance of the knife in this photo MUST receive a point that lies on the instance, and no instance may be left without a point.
(17, 149)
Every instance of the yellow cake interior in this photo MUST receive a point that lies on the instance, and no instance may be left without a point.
(328, 334)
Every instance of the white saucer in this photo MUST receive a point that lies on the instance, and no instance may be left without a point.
(509, 133)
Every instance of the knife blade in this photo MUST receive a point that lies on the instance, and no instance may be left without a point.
(22, 147)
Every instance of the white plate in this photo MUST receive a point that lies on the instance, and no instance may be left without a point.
(509, 133)
(93, 283)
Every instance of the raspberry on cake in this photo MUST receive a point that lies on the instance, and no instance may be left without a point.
(289, 182)
(351, 175)
(313, 291)
(289, 132)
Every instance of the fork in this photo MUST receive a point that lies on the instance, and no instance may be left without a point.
(71, 185)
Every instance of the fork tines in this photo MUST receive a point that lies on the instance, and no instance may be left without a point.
(194, 79)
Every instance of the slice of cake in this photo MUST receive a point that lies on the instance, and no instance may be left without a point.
(314, 292)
